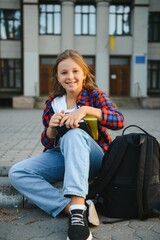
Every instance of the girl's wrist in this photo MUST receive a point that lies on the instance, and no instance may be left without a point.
(83, 109)
(51, 132)
(96, 112)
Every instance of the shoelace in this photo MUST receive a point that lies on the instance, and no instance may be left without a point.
(77, 219)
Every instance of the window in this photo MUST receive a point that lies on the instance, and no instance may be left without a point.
(50, 19)
(47, 60)
(154, 27)
(119, 61)
(85, 20)
(119, 20)
(10, 74)
(10, 24)
(153, 77)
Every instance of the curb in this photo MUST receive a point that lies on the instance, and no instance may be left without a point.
(4, 171)
(8, 195)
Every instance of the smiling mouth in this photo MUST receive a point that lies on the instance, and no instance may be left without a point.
(70, 83)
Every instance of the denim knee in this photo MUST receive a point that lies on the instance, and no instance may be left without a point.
(13, 175)
(75, 135)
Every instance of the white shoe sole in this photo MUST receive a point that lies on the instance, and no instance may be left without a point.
(92, 213)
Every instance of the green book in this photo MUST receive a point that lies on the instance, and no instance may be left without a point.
(93, 126)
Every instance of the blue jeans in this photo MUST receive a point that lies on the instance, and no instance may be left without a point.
(77, 159)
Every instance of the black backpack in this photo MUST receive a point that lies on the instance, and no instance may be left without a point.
(128, 185)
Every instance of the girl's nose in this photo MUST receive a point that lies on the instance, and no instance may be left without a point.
(70, 75)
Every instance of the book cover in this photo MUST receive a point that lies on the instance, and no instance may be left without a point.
(93, 126)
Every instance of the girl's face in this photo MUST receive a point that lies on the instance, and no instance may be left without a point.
(70, 75)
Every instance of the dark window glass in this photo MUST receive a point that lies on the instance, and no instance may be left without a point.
(10, 24)
(154, 27)
(11, 75)
(48, 60)
(119, 20)
(85, 20)
(50, 19)
(153, 77)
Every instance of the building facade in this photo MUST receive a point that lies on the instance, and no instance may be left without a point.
(119, 39)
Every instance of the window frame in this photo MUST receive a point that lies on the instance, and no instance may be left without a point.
(6, 70)
(82, 15)
(14, 21)
(122, 22)
(152, 30)
(151, 89)
(54, 12)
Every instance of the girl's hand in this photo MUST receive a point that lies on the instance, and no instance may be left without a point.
(54, 122)
(71, 120)
(56, 119)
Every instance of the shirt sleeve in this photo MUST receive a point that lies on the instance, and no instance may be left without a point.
(45, 140)
(112, 118)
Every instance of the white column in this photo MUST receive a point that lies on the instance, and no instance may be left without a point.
(102, 45)
(139, 49)
(30, 47)
(67, 38)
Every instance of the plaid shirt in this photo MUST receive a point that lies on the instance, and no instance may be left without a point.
(111, 117)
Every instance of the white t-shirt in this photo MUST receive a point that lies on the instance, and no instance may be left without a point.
(59, 104)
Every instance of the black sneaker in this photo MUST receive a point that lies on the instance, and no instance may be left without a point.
(78, 226)
(92, 213)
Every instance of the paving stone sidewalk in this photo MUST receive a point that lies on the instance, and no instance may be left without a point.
(20, 138)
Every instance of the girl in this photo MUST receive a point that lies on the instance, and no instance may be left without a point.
(74, 157)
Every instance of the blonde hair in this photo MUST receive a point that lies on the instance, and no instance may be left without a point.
(88, 84)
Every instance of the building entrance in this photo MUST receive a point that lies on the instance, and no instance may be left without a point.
(46, 68)
(46, 79)
(119, 77)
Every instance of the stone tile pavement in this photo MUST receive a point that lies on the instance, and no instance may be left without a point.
(20, 136)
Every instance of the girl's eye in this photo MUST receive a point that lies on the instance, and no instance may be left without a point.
(63, 73)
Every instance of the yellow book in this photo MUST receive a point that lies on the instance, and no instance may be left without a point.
(93, 126)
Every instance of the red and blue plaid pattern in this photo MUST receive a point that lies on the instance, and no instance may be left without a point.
(111, 117)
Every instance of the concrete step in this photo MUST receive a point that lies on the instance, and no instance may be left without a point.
(40, 102)
(121, 102)
(126, 102)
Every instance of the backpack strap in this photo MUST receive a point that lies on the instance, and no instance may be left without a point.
(144, 177)
(147, 175)
(140, 179)
(136, 127)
